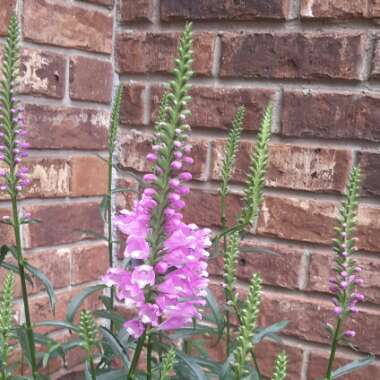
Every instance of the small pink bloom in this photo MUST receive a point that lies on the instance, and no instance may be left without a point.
(149, 177)
(188, 160)
(137, 248)
(134, 328)
(350, 333)
(149, 313)
(151, 157)
(185, 176)
(143, 275)
(176, 165)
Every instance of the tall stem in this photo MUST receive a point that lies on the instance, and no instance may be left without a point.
(21, 267)
(149, 357)
(333, 349)
(110, 229)
(92, 367)
(136, 356)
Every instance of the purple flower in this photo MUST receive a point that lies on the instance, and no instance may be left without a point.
(134, 328)
(143, 275)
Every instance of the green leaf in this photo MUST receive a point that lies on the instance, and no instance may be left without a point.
(23, 339)
(353, 366)
(14, 269)
(111, 315)
(218, 316)
(124, 190)
(104, 205)
(188, 332)
(77, 301)
(117, 374)
(3, 252)
(113, 342)
(269, 331)
(58, 324)
(47, 284)
(191, 365)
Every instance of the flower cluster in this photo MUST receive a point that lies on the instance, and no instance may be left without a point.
(167, 277)
(347, 279)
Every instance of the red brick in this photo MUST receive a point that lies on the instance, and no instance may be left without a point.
(66, 128)
(266, 353)
(173, 10)
(221, 105)
(326, 115)
(90, 79)
(292, 167)
(42, 73)
(124, 199)
(89, 176)
(314, 221)
(136, 145)
(132, 106)
(62, 223)
(136, 11)
(375, 73)
(6, 231)
(88, 263)
(370, 165)
(203, 208)
(278, 264)
(334, 9)
(307, 316)
(55, 264)
(298, 219)
(56, 23)
(292, 55)
(318, 362)
(6, 10)
(320, 269)
(147, 52)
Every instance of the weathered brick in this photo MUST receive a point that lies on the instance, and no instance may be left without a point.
(136, 145)
(375, 73)
(89, 176)
(318, 362)
(221, 105)
(266, 353)
(334, 9)
(6, 232)
(147, 52)
(326, 115)
(132, 104)
(314, 221)
(136, 11)
(42, 73)
(50, 177)
(223, 10)
(66, 128)
(6, 10)
(277, 264)
(304, 315)
(292, 55)
(90, 79)
(320, 269)
(203, 208)
(293, 167)
(62, 223)
(60, 24)
(370, 166)
(88, 263)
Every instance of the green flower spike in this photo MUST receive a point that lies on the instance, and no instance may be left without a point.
(88, 332)
(247, 327)
(6, 315)
(168, 364)
(280, 366)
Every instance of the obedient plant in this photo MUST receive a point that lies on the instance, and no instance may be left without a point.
(164, 279)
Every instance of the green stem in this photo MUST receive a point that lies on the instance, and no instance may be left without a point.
(92, 367)
(136, 356)
(333, 349)
(21, 267)
(149, 357)
(110, 229)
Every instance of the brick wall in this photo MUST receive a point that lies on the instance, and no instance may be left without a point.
(318, 61)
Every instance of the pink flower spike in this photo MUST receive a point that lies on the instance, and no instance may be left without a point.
(176, 165)
(134, 328)
(161, 267)
(143, 275)
(149, 313)
(188, 160)
(137, 248)
(149, 192)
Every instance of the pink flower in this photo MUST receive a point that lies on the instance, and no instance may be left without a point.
(137, 248)
(134, 328)
(143, 275)
(149, 314)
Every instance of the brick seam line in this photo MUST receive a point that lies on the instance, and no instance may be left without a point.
(295, 9)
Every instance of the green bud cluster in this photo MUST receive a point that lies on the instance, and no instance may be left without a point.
(280, 366)
(247, 327)
(115, 119)
(167, 364)
(230, 262)
(88, 331)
